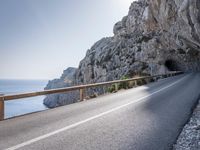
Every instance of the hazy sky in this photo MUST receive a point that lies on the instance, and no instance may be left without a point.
(41, 38)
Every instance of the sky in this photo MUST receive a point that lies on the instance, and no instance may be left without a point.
(41, 38)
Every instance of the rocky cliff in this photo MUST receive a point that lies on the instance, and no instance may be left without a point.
(155, 37)
(65, 80)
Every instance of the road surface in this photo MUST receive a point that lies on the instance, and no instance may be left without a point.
(149, 117)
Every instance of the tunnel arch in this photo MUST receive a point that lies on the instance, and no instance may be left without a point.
(172, 65)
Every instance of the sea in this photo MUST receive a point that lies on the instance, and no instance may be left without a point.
(22, 106)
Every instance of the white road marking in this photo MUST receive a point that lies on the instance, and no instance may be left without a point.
(88, 119)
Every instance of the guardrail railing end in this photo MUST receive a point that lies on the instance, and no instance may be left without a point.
(1, 108)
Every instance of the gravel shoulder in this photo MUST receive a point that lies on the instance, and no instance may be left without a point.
(189, 139)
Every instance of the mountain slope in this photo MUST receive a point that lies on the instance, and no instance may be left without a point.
(155, 37)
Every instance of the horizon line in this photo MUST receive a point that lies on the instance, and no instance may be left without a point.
(24, 79)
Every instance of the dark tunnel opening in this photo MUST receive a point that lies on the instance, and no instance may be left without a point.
(172, 65)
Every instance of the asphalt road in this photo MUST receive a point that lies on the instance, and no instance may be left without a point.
(149, 117)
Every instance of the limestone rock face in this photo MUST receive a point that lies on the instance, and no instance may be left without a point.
(65, 80)
(155, 37)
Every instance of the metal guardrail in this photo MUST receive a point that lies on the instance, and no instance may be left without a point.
(81, 88)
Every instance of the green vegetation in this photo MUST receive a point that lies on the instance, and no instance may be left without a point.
(118, 86)
(124, 85)
(111, 89)
(127, 85)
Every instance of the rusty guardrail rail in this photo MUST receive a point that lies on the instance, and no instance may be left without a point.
(81, 88)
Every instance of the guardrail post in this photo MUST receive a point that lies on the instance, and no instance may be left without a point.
(135, 82)
(1, 108)
(82, 94)
(116, 87)
(146, 81)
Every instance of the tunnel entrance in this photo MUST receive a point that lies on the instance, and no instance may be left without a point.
(172, 65)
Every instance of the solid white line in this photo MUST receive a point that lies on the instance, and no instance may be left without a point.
(88, 119)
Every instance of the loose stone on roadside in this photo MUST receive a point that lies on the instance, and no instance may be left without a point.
(189, 138)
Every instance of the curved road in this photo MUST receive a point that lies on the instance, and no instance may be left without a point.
(149, 117)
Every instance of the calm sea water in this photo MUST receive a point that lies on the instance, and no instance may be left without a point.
(22, 106)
